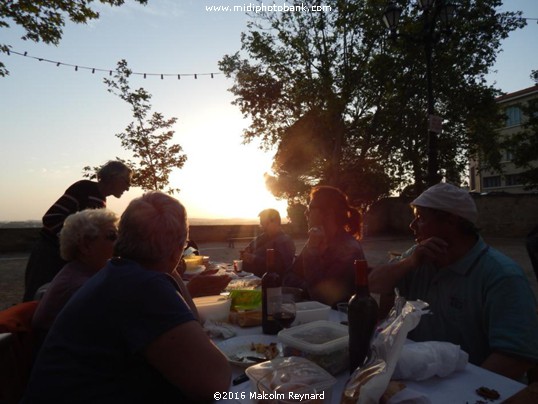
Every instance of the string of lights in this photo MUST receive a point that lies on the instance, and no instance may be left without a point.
(527, 19)
(162, 75)
(110, 71)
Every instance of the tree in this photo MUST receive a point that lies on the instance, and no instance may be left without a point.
(43, 20)
(344, 106)
(156, 157)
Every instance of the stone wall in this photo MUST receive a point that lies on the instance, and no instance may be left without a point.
(501, 215)
(22, 239)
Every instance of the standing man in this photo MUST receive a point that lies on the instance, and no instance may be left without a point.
(479, 298)
(272, 237)
(113, 178)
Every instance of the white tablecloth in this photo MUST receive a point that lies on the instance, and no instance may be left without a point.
(458, 387)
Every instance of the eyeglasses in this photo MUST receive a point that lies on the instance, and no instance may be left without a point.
(111, 236)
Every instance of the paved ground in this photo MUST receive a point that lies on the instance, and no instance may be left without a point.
(376, 249)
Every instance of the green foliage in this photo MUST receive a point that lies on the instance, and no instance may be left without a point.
(43, 20)
(343, 105)
(296, 213)
(524, 146)
(155, 157)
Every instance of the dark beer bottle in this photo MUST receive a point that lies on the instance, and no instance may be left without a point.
(362, 317)
(271, 292)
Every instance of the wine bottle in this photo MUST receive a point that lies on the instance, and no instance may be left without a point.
(362, 317)
(271, 292)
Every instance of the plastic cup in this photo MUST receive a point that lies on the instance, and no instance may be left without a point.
(238, 265)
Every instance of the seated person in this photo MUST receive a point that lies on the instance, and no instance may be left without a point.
(325, 268)
(129, 335)
(272, 237)
(86, 243)
(479, 298)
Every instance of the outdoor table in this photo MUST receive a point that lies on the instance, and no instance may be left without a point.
(459, 387)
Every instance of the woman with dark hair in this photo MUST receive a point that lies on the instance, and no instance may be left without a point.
(113, 178)
(325, 267)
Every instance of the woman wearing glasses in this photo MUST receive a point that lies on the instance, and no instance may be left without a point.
(113, 178)
(325, 267)
(86, 242)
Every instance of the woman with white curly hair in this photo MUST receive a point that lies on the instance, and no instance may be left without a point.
(86, 242)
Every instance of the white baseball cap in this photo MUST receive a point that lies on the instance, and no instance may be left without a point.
(448, 198)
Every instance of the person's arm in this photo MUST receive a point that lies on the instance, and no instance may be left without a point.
(285, 253)
(384, 278)
(508, 366)
(182, 356)
(185, 292)
(207, 285)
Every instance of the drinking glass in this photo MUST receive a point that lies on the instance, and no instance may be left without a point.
(284, 311)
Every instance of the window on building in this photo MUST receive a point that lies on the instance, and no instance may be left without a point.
(513, 116)
(512, 179)
(507, 155)
(491, 182)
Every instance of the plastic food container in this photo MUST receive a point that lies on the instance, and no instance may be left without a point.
(292, 374)
(323, 342)
(246, 299)
(307, 312)
(193, 261)
(213, 307)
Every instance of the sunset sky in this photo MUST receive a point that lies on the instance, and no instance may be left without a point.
(56, 120)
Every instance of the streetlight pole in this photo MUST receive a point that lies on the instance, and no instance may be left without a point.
(431, 11)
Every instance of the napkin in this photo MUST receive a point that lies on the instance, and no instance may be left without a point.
(422, 360)
(219, 329)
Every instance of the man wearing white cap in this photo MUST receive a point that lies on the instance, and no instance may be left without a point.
(479, 298)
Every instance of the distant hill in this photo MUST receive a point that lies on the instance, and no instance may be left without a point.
(20, 224)
(192, 221)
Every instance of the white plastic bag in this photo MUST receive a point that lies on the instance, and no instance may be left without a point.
(368, 383)
(422, 360)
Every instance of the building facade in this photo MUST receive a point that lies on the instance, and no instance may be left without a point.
(485, 181)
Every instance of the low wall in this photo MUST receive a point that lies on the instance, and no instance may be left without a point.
(22, 239)
(502, 215)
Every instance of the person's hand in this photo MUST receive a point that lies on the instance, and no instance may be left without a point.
(207, 285)
(430, 250)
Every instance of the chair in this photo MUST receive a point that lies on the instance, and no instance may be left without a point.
(17, 346)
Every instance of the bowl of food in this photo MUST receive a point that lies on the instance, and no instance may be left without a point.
(193, 261)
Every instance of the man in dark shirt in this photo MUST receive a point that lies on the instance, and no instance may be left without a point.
(272, 237)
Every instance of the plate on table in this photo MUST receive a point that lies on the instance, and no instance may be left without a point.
(237, 349)
(242, 274)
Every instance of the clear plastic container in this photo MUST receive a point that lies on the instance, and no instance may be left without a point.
(323, 342)
(307, 312)
(213, 307)
(293, 375)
